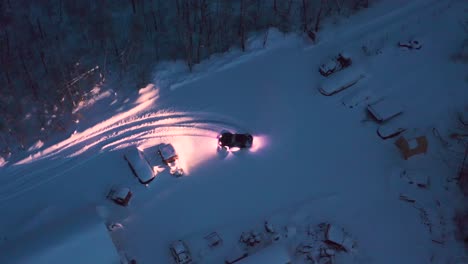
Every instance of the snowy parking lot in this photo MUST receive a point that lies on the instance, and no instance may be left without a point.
(314, 159)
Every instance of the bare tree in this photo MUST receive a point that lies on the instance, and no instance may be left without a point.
(241, 30)
(319, 16)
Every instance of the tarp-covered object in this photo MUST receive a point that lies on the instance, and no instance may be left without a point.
(411, 147)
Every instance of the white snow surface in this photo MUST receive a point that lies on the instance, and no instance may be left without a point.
(272, 255)
(78, 238)
(310, 154)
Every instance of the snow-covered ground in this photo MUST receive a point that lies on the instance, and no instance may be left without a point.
(314, 159)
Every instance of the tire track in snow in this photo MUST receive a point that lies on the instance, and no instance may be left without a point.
(142, 127)
(162, 116)
(27, 180)
(147, 127)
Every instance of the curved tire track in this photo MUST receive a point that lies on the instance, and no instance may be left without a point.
(146, 127)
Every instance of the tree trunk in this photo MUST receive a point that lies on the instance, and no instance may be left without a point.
(28, 77)
(304, 16)
(242, 25)
(7, 40)
(39, 26)
(133, 6)
(155, 22)
(319, 14)
(43, 60)
(338, 5)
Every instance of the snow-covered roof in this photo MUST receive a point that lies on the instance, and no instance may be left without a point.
(179, 247)
(139, 163)
(81, 238)
(271, 255)
(341, 80)
(329, 65)
(167, 151)
(384, 109)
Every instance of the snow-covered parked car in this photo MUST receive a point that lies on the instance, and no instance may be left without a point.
(180, 252)
(411, 44)
(170, 158)
(120, 195)
(336, 64)
(338, 239)
(139, 165)
(341, 81)
(231, 141)
(384, 110)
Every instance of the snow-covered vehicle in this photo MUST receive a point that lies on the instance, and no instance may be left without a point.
(336, 64)
(338, 239)
(384, 110)
(228, 140)
(411, 44)
(341, 81)
(139, 165)
(391, 129)
(170, 158)
(180, 252)
(120, 195)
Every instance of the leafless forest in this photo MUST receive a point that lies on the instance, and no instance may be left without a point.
(53, 52)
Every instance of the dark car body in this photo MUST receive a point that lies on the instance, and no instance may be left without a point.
(412, 44)
(231, 140)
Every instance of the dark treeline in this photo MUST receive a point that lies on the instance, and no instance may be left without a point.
(52, 52)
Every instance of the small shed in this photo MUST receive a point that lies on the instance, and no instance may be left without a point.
(411, 147)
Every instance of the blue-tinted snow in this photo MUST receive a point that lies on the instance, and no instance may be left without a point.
(313, 153)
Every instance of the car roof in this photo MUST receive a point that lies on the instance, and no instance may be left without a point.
(139, 163)
(167, 151)
(121, 191)
(179, 247)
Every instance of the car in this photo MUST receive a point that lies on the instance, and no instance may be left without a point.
(180, 252)
(411, 44)
(341, 81)
(229, 141)
(120, 195)
(139, 165)
(336, 64)
(170, 158)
